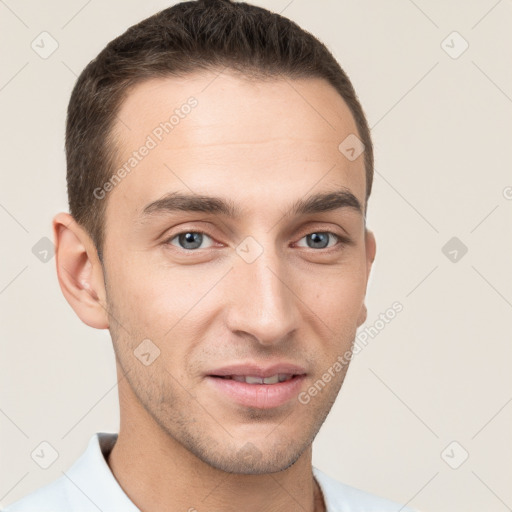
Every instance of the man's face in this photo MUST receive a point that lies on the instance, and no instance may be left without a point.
(266, 291)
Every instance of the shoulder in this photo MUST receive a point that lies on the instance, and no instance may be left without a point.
(87, 486)
(52, 497)
(340, 497)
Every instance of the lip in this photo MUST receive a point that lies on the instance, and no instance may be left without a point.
(260, 396)
(257, 370)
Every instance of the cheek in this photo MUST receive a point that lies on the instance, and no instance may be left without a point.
(159, 301)
(144, 300)
(337, 294)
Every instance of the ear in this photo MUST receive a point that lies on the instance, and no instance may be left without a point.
(371, 248)
(79, 271)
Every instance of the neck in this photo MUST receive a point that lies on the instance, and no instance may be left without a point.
(158, 473)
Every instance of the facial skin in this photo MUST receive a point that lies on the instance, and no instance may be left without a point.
(261, 146)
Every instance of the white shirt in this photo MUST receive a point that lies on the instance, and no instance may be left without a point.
(90, 486)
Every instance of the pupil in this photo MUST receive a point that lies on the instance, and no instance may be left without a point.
(194, 239)
(319, 240)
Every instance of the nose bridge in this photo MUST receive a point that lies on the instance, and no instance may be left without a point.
(265, 306)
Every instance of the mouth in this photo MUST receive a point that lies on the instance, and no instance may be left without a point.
(257, 387)
(254, 379)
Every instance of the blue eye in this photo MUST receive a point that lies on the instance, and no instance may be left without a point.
(189, 240)
(319, 240)
(192, 240)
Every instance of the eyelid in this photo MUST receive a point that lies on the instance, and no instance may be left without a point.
(343, 239)
(168, 239)
(342, 234)
(186, 227)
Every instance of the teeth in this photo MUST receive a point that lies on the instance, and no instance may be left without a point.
(254, 380)
(274, 379)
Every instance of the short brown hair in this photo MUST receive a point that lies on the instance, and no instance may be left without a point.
(187, 37)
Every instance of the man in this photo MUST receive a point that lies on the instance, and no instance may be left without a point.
(219, 168)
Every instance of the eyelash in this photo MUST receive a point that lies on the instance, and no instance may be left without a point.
(342, 240)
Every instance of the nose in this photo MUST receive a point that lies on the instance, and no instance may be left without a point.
(264, 303)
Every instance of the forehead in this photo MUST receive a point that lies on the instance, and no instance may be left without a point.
(310, 108)
(223, 134)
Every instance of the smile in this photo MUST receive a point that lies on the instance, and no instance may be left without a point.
(251, 379)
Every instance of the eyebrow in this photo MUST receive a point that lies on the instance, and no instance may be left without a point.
(317, 203)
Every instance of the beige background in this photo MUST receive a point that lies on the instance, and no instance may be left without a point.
(442, 129)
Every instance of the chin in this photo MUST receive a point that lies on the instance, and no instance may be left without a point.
(261, 466)
(252, 459)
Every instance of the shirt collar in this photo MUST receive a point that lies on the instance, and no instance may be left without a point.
(93, 477)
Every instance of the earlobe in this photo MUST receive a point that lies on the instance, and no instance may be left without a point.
(362, 315)
(371, 249)
(79, 271)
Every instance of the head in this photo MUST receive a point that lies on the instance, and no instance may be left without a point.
(217, 226)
